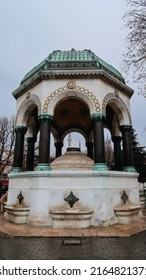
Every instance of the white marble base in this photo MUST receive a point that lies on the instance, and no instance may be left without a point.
(127, 214)
(100, 191)
(38, 220)
(71, 218)
(16, 215)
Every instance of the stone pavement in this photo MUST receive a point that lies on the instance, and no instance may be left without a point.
(42, 243)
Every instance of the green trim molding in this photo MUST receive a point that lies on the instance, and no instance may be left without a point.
(16, 170)
(45, 117)
(20, 128)
(43, 167)
(126, 127)
(130, 169)
(100, 167)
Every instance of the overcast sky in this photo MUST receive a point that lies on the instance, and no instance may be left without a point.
(31, 29)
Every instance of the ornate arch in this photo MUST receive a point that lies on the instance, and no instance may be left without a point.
(71, 86)
(30, 98)
(117, 98)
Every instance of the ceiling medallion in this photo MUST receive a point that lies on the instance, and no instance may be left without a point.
(71, 84)
(83, 112)
(64, 112)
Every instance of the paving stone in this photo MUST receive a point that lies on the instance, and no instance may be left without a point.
(49, 248)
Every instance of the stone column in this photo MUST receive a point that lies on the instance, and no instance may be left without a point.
(89, 146)
(19, 147)
(127, 148)
(58, 146)
(117, 153)
(30, 153)
(99, 148)
(44, 142)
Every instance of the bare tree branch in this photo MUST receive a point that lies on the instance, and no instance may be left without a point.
(7, 139)
(134, 62)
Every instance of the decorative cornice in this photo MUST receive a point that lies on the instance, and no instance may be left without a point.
(70, 65)
(71, 74)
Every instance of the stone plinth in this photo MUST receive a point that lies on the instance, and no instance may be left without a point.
(16, 215)
(71, 218)
(97, 190)
(127, 214)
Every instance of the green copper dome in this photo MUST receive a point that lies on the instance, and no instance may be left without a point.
(61, 62)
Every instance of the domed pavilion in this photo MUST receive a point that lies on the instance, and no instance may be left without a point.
(72, 91)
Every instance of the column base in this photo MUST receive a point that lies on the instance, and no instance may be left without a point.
(16, 170)
(100, 166)
(130, 169)
(43, 167)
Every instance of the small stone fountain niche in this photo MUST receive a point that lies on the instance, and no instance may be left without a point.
(71, 217)
(17, 213)
(127, 213)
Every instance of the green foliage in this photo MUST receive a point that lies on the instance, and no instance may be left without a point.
(139, 154)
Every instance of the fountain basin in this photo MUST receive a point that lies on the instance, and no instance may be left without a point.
(71, 218)
(16, 214)
(127, 214)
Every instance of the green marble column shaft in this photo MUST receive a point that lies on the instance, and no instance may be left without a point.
(44, 142)
(99, 148)
(19, 147)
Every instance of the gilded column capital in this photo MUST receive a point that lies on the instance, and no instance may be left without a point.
(98, 117)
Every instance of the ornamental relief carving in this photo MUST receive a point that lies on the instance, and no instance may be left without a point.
(72, 86)
(29, 96)
(115, 95)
